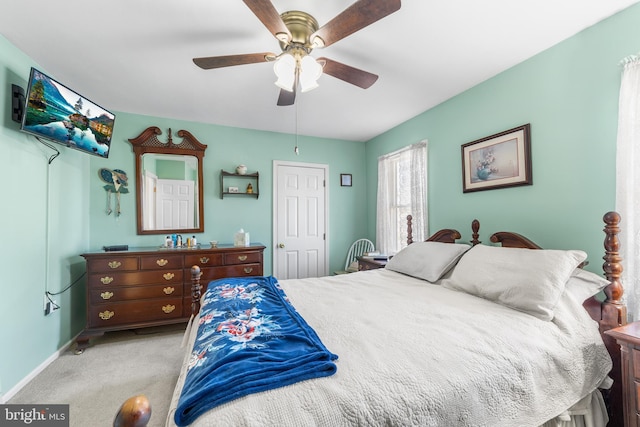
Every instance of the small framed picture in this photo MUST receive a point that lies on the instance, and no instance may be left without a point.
(345, 179)
(233, 189)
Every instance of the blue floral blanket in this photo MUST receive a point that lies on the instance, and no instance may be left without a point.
(250, 339)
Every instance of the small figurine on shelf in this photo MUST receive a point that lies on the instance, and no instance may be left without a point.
(249, 189)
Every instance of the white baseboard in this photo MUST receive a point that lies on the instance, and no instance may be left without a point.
(4, 398)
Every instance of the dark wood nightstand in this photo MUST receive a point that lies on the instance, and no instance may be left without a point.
(628, 336)
(369, 264)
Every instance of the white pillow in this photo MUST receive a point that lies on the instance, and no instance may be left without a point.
(427, 260)
(584, 284)
(528, 280)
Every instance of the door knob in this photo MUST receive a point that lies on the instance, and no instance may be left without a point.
(281, 245)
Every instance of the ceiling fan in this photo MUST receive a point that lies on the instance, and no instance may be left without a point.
(298, 34)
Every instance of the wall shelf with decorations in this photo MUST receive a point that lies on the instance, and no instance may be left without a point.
(235, 184)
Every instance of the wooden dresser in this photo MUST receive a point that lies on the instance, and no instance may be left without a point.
(144, 287)
(628, 336)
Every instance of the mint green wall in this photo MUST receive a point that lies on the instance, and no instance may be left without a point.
(170, 169)
(45, 225)
(569, 94)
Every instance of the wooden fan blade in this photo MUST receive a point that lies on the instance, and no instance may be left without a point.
(210, 62)
(270, 18)
(347, 73)
(354, 18)
(286, 98)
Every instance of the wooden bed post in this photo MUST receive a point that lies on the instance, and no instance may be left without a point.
(196, 289)
(409, 230)
(612, 266)
(613, 313)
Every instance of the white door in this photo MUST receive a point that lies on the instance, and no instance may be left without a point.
(300, 220)
(174, 204)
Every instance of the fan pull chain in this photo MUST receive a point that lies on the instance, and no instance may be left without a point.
(296, 150)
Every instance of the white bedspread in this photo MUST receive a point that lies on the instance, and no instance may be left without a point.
(413, 353)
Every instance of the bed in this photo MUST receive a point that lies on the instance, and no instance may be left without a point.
(460, 340)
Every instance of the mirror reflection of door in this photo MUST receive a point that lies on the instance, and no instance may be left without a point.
(174, 204)
(170, 189)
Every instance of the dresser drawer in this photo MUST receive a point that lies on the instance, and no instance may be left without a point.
(135, 278)
(202, 260)
(162, 261)
(242, 258)
(124, 293)
(240, 270)
(108, 315)
(113, 264)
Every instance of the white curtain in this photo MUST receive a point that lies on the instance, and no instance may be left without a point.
(402, 190)
(628, 182)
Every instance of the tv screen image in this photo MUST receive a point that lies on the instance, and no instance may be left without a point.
(55, 112)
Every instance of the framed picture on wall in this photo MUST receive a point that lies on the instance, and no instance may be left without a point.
(345, 179)
(498, 161)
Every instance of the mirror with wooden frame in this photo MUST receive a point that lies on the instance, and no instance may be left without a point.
(169, 182)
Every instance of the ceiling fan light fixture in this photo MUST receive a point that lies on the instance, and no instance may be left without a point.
(310, 72)
(317, 43)
(285, 70)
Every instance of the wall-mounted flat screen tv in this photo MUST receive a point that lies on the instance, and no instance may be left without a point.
(57, 113)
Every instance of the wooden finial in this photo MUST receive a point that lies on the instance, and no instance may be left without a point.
(134, 412)
(475, 226)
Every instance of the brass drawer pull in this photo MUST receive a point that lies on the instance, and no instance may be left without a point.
(168, 276)
(106, 295)
(168, 290)
(162, 262)
(248, 270)
(242, 257)
(114, 264)
(168, 308)
(106, 315)
(106, 280)
(204, 260)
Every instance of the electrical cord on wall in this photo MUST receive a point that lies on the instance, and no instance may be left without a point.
(53, 156)
(50, 294)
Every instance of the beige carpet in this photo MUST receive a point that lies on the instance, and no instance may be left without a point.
(116, 366)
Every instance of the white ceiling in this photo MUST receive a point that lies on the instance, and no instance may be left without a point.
(135, 56)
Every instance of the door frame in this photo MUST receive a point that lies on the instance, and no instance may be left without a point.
(274, 243)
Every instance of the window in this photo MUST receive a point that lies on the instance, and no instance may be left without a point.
(627, 178)
(402, 191)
